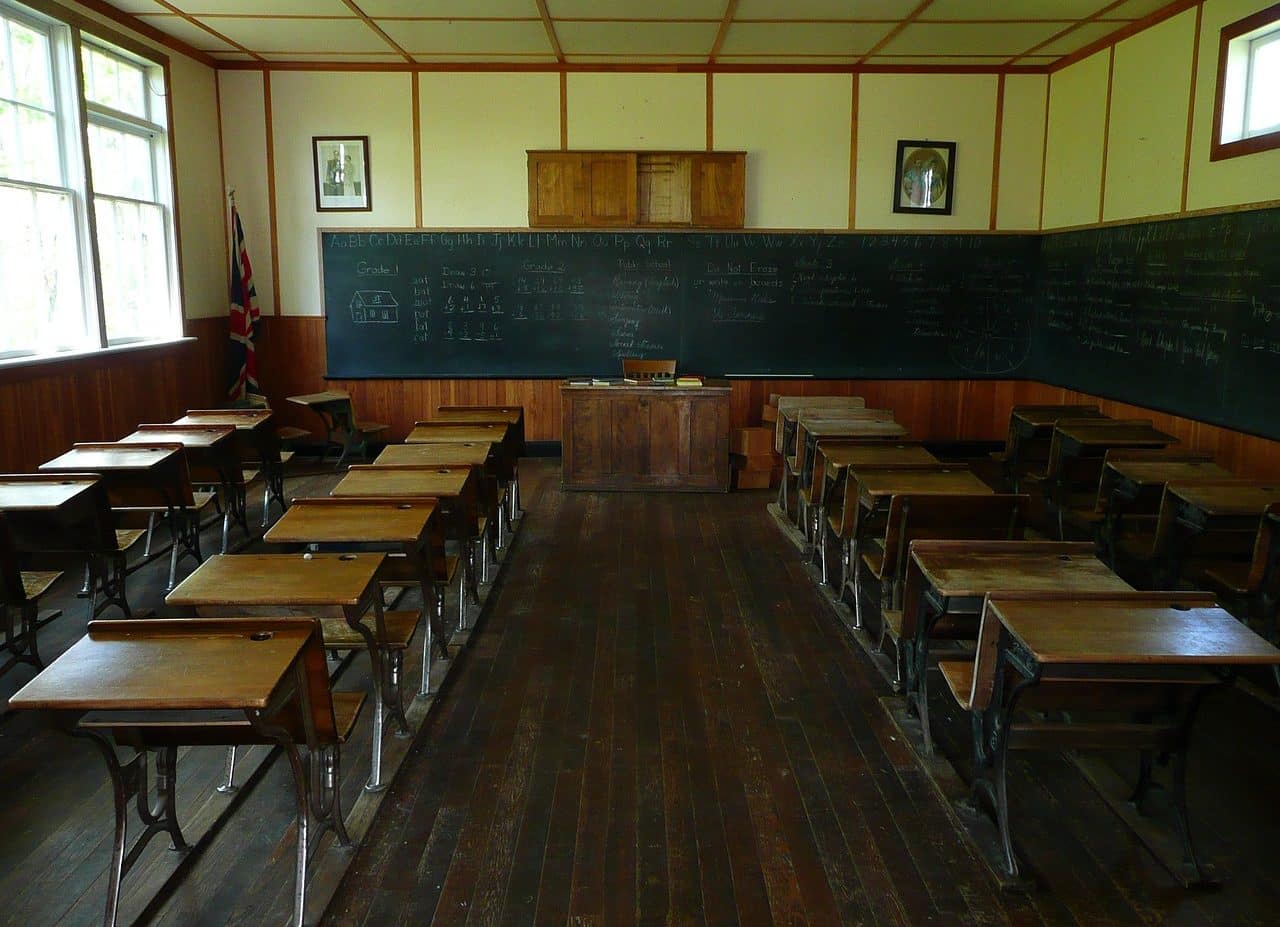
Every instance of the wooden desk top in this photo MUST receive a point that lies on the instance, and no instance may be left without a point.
(459, 454)
(790, 411)
(1240, 498)
(1148, 471)
(961, 573)
(880, 483)
(441, 482)
(278, 579)
(1092, 632)
(1104, 433)
(100, 458)
(126, 665)
(840, 456)
(320, 398)
(195, 436)
(709, 388)
(241, 419)
(509, 415)
(47, 495)
(449, 432)
(852, 428)
(1044, 416)
(357, 521)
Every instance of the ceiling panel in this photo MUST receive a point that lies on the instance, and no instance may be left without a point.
(824, 9)
(300, 35)
(141, 6)
(1079, 38)
(929, 61)
(623, 59)
(232, 56)
(636, 9)
(498, 38)
(390, 58)
(1137, 9)
(447, 60)
(446, 9)
(637, 38)
(263, 7)
(969, 38)
(838, 60)
(803, 38)
(187, 32)
(1013, 9)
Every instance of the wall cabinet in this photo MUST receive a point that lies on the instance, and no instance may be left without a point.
(692, 189)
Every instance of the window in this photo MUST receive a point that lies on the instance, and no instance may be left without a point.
(1246, 114)
(128, 157)
(61, 293)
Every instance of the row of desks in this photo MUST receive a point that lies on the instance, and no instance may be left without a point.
(1051, 623)
(384, 523)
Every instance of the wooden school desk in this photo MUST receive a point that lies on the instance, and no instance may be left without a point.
(1142, 654)
(1190, 510)
(346, 583)
(811, 430)
(411, 528)
(498, 433)
(834, 460)
(946, 583)
(457, 488)
(791, 407)
(459, 454)
(1135, 485)
(1030, 429)
(505, 414)
(157, 684)
(257, 433)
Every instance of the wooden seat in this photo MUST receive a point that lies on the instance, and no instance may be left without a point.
(400, 627)
(934, 517)
(127, 537)
(36, 583)
(346, 712)
(637, 368)
(343, 430)
(1251, 588)
(19, 603)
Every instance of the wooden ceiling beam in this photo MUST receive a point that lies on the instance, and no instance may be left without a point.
(1061, 33)
(364, 17)
(730, 8)
(897, 30)
(551, 30)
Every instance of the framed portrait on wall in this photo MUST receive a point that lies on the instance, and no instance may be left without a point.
(924, 181)
(342, 173)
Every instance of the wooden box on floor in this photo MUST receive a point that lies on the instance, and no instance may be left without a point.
(753, 472)
(751, 442)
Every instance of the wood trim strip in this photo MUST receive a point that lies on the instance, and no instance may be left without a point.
(129, 21)
(364, 18)
(551, 30)
(1106, 135)
(416, 116)
(730, 8)
(995, 153)
(204, 27)
(271, 194)
(1062, 33)
(1044, 148)
(575, 67)
(91, 222)
(171, 141)
(1191, 108)
(898, 29)
(853, 155)
(222, 173)
(1115, 38)
(1187, 214)
(711, 113)
(564, 111)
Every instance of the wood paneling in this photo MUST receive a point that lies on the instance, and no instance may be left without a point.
(292, 360)
(45, 408)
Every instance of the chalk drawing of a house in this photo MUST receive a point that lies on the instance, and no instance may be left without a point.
(374, 306)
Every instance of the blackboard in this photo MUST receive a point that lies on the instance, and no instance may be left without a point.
(1181, 315)
(557, 304)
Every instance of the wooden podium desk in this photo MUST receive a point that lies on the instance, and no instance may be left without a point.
(646, 437)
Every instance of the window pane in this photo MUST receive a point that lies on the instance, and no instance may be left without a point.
(41, 156)
(114, 82)
(1264, 87)
(121, 163)
(32, 76)
(43, 308)
(6, 70)
(133, 253)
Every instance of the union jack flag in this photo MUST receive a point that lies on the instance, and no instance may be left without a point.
(244, 317)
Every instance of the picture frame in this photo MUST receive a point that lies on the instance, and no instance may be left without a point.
(341, 167)
(924, 177)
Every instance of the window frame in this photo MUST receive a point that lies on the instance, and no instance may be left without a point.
(1235, 43)
(74, 31)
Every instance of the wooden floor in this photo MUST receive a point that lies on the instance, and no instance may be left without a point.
(661, 722)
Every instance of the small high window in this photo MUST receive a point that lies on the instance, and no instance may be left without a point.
(1246, 114)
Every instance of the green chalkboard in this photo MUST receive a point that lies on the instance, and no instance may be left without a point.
(556, 304)
(1180, 315)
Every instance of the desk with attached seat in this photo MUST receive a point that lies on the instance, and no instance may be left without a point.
(258, 434)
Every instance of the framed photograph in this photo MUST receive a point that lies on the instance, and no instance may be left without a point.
(925, 179)
(342, 173)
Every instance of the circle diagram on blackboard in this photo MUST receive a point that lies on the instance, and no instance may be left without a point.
(990, 340)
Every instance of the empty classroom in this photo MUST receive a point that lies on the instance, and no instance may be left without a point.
(601, 462)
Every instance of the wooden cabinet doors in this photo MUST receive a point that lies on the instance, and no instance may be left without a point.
(609, 188)
(717, 189)
(555, 188)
